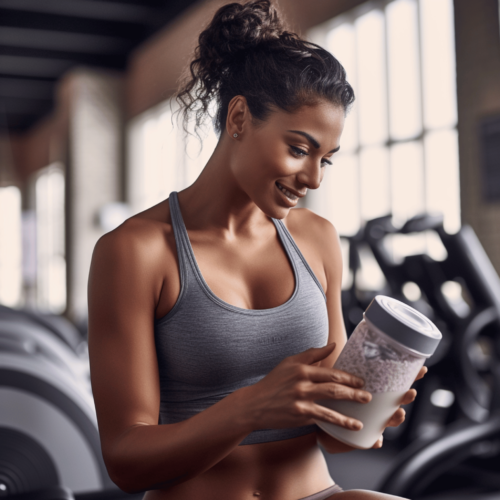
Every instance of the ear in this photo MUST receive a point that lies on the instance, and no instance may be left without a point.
(238, 115)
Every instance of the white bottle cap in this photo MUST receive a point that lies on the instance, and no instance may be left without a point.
(404, 324)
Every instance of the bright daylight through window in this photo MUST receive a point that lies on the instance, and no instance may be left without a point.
(50, 259)
(10, 246)
(399, 150)
(158, 162)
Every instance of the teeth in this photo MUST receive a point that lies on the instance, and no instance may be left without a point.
(287, 193)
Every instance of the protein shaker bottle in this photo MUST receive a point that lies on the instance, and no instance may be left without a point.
(386, 349)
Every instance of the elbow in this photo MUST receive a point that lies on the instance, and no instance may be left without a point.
(129, 484)
(126, 474)
(123, 479)
(121, 474)
(134, 469)
(123, 468)
(116, 475)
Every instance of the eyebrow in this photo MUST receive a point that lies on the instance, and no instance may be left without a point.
(312, 140)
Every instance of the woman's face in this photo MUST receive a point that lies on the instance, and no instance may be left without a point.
(288, 152)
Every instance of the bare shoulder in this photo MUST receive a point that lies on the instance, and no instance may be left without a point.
(307, 225)
(139, 257)
(319, 242)
(134, 235)
(142, 238)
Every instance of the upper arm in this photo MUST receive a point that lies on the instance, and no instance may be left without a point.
(328, 244)
(122, 292)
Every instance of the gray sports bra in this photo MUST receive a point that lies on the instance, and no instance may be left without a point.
(207, 348)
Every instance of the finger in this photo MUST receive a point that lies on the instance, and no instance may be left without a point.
(326, 415)
(397, 419)
(379, 442)
(422, 372)
(335, 391)
(408, 397)
(323, 374)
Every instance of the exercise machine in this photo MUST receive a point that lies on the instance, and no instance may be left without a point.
(48, 427)
(461, 464)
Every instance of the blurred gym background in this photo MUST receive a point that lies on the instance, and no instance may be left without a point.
(86, 141)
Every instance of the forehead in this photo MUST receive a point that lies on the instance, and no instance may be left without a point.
(321, 118)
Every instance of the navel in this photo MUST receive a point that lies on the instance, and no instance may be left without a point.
(256, 493)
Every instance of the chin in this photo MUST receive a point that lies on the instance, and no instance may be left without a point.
(283, 213)
(278, 212)
(272, 208)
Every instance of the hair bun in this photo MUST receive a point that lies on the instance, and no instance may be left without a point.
(238, 27)
(246, 50)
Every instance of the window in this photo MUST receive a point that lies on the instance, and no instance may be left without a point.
(50, 240)
(399, 149)
(157, 159)
(10, 246)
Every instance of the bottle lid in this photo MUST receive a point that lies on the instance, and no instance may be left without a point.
(404, 324)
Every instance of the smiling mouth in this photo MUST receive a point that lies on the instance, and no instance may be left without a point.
(287, 193)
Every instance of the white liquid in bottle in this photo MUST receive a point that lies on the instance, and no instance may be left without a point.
(374, 415)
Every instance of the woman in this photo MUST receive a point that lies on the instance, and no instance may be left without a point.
(215, 316)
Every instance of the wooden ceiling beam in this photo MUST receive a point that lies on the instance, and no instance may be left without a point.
(26, 88)
(62, 41)
(111, 11)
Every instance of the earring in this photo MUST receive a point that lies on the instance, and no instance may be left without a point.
(235, 135)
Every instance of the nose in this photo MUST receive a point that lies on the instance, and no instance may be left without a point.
(311, 175)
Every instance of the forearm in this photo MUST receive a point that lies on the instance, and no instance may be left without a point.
(158, 456)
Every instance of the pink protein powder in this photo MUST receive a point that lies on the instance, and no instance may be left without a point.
(387, 350)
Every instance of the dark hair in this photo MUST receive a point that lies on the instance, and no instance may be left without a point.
(246, 50)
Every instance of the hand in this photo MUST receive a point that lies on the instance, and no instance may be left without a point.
(399, 416)
(285, 396)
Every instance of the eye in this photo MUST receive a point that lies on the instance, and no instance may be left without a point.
(300, 152)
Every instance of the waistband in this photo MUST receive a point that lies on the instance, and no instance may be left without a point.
(324, 494)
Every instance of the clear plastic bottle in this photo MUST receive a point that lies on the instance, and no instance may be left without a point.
(386, 349)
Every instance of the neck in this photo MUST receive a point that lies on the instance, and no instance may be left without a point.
(216, 202)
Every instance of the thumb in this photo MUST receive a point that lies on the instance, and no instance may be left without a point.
(314, 354)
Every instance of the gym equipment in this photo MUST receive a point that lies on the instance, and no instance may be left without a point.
(53, 493)
(466, 264)
(462, 464)
(63, 493)
(57, 325)
(48, 426)
(354, 300)
(30, 339)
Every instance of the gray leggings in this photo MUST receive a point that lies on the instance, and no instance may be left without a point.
(321, 495)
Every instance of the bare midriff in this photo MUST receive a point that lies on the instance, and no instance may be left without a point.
(281, 470)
